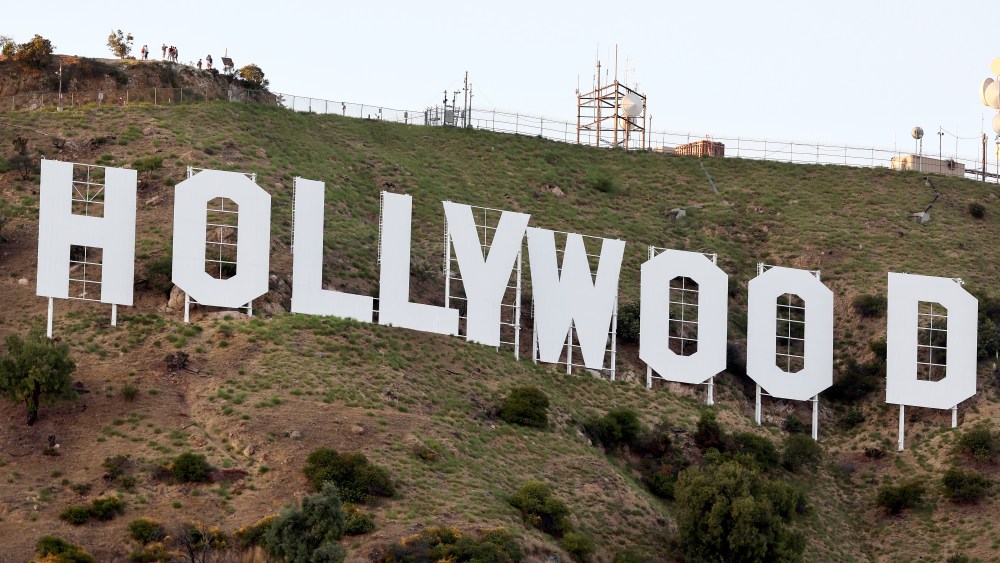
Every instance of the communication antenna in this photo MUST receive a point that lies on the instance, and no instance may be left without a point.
(612, 114)
(918, 138)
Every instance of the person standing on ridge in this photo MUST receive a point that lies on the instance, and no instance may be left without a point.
(208, 61)
(145, 52)
(164, 51)
(199, 64)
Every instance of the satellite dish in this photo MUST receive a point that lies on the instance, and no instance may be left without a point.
(982, 91)
(631, 105)
(918, 132)
(995, 66)
(996, 123)
(991, 93)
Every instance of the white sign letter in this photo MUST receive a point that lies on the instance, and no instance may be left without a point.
(308, 295)
(394, 307)
(762, 329)
(654, 316)
(253, 241)
(573, 297)
(485, 280)
(59, 228)
(902, 387)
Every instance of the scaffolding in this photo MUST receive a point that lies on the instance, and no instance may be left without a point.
(613, 114)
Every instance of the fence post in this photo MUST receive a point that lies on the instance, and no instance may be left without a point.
(154, 97)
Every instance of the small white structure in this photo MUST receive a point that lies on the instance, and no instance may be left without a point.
(929, 165)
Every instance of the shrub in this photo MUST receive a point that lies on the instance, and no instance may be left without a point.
(158, 274)
(116, 466)
(439, 543)
(603, 182)
(129, 392)
(895, 498)
(617, 427)
(105, 508)
(253, 535)
(75, 514)
(870, 306)
(628, 322)
(729, 512)
(759, 448)
(794, 425)
(708, 433)
(153, 552)
(852, 417)
(190, 467)
(527, 406)
(662, 484)
(356, 479)
(880, 348)
(539, 508)
(964, 486)
(356, 521)
(145, 530)
(800, 451)
(977, 210)
(579, 546)
(299, 533)
(856, 381)
(56, 549)
(979, 442)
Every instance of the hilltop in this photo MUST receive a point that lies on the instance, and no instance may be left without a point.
(264, 392)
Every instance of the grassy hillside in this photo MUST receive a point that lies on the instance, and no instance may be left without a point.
(271, 389)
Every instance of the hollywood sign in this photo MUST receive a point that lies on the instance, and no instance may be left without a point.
(568, 296)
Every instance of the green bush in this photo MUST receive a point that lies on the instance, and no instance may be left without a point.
(579, 546)
(527, 406)
(603, 182)
(61, 550)
(356, 479)
(729, 512)
(870, 306)
(661, 484)
(800, 451)
(357, 521)
(977, 210)
(106, 508)
(116, 466)
(794, 424)
(852, 417)
(158, 274)
(856, 381)
(895, 498)
(253, 535)
(439, 543)
(145, 530)
(309, 533)
(75, 514)
(708, 433)
(190, 467)
(980, 442)
(964, 486)
(628, 322)
(540, 509)
(35, 53)
(616, 428)
(759, 448)
(129, 392)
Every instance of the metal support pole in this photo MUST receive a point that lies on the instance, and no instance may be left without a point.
(447, 269)
(187, 308)
(48, 324)
(649, 377)
(954, 416)
(614, 338)
(901, 429)
(517, 311)
(569, 351)
(815, 432)
(756, 415)
(534, 342)
(710, 398)
(114, 314)
(250, 309)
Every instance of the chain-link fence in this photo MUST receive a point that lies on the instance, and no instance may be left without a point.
(967, 153)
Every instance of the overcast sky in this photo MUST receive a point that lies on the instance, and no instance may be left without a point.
(845, 72)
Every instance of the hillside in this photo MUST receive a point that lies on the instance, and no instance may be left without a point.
(271, 389)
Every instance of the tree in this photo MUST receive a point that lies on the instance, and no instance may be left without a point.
(730, 512)
(32, 366)
(253, 76)
(120, 43)
(309, 534)
(7, 47)
(35, 53)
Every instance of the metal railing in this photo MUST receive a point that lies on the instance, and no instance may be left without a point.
(519, 124)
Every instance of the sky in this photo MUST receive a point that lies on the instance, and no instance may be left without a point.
(860, 73)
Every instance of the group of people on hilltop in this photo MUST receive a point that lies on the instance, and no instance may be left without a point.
(208, 62)
(169, 53)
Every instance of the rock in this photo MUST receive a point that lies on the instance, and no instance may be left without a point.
(293, 434)
(249, 450)
(358, 429)
(676, 214)
(152, 201)
(22, 281)
(176, 300)
(922, 217)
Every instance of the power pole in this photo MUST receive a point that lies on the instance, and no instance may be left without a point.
(984, 156)
(465, 100)
(60, 108)
(470, 105)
